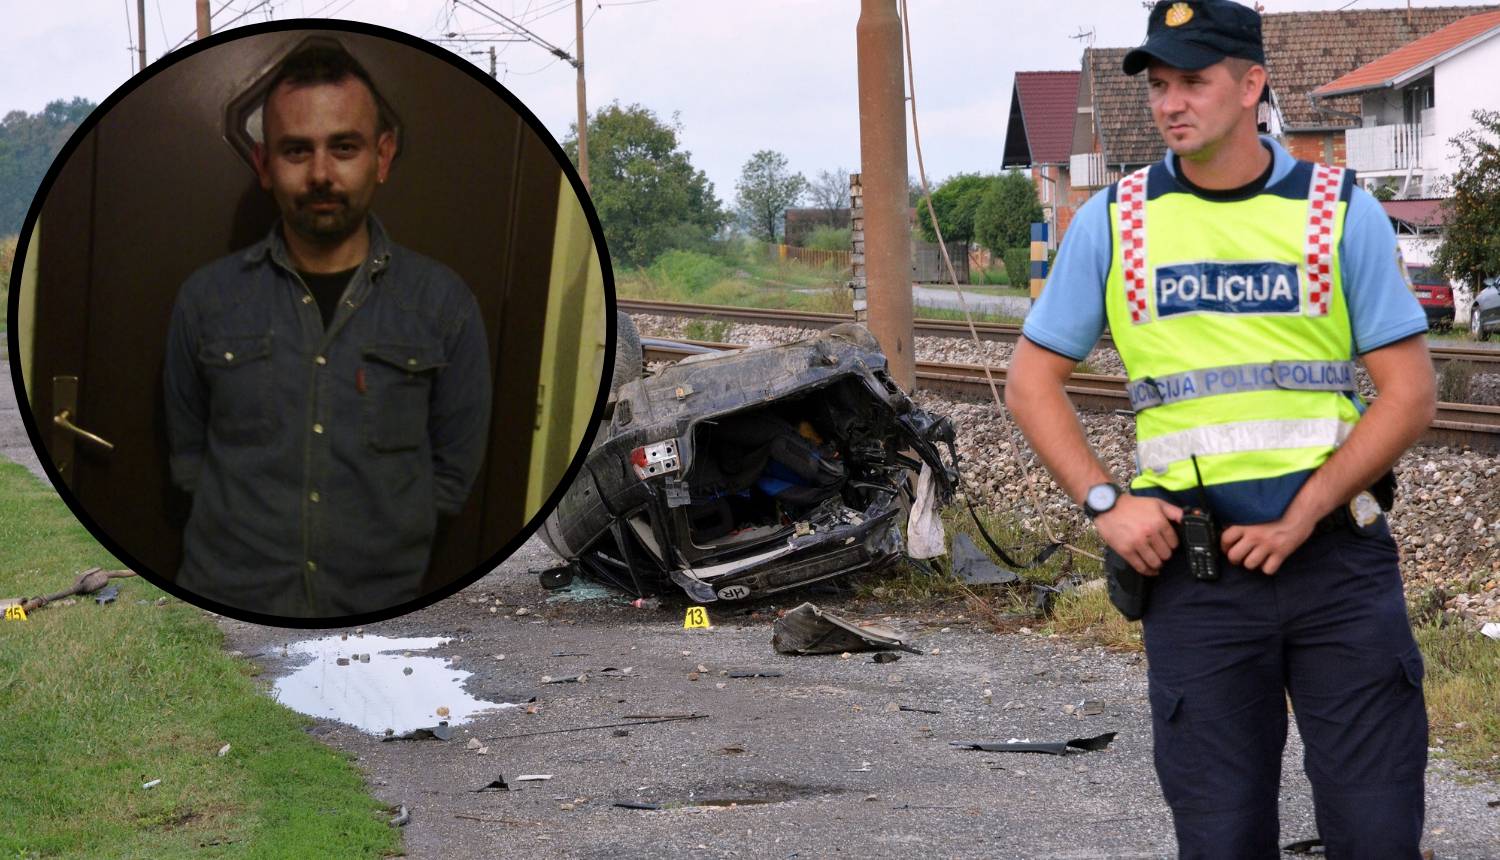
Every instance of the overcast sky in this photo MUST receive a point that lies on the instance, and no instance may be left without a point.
(742, 75)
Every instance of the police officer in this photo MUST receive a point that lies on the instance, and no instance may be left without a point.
(1239, 285)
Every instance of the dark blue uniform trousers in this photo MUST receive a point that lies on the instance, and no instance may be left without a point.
(1330, 629)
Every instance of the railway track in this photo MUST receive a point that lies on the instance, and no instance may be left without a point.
(1484, 359)
(1456, 424)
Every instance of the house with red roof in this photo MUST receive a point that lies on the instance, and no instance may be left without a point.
(1414, 99)
(1039, 139)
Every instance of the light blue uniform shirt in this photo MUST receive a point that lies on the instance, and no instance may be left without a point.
(1069, 317)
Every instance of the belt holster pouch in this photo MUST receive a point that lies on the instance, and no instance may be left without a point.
(1127, 589)
(1384, 490)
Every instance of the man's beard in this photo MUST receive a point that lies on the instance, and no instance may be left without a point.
(324, 228)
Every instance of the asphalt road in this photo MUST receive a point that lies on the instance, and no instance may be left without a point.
(819, 762)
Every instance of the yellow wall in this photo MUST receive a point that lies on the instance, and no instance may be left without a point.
(572, 350)
(26, 311)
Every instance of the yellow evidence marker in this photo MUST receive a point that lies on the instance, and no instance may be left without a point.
(15, 612)
(696, 619)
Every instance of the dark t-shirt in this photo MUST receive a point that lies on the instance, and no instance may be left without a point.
(327, 289)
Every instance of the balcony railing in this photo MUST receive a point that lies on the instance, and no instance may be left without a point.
(1088, 170)
(1384, 147)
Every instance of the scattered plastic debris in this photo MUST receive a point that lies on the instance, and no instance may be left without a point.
(403, 817)
(1093, 744)
(1491, 629)
(440, 732)
(534, 777)
(108, 595)
(971, 565)
(810, 630)
(223, 751)
(152, 784)
(496, 784)
(635, 804)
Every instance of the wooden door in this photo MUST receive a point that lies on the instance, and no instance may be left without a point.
(155, 189)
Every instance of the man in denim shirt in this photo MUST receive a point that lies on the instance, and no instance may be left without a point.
(327, 391)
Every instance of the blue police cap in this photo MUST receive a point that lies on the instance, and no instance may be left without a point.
(1195, 34)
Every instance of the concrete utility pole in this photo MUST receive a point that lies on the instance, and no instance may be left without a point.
(882, 149)
(140, 30)
(583, 110)
(204, 29)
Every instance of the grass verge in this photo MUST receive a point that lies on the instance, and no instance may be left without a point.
(1462, 686)
(101, 699)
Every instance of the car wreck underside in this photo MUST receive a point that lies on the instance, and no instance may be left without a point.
(736, 475)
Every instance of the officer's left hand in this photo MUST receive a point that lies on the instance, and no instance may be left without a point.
(1264, 546)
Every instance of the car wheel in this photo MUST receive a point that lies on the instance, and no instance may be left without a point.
(628, 365)
(1476, 328)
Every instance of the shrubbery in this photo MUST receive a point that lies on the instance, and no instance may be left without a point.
(1018, 266)
(691, 272)
(826, 238)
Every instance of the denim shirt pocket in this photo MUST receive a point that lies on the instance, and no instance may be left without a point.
(398, 383)
(239, 375)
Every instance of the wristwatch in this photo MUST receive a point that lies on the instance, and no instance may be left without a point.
(1099, 499)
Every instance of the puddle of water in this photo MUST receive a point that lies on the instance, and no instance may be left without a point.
(378, 695)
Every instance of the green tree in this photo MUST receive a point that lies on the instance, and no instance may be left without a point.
(956, 202)
(649, 197)
(765, 189)
(28, 144)
(1006, 212)
(1470, 250)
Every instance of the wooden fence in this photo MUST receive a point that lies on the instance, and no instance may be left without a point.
(812, 257)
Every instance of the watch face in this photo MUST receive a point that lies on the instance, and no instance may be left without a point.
(1102, 497)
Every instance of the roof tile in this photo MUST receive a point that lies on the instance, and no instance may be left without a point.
(1048, 101)
(1414, 55)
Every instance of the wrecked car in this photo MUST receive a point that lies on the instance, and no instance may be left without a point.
(739, 474)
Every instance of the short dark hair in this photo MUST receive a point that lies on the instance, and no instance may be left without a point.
(325, 64)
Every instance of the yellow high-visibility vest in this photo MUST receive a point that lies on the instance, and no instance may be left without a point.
(1231, 321)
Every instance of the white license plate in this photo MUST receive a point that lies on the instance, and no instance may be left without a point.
(1424, 294)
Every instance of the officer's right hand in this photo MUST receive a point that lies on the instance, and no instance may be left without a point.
(1140, 529)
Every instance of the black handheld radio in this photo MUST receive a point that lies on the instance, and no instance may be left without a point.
(1200, 537)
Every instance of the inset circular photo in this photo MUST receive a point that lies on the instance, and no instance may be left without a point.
(311, 322)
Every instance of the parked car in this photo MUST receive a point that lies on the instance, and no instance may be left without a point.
(739, 474)
(1434, 294)
(1484, 317)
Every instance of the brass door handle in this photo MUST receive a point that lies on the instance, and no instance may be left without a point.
(61, 419)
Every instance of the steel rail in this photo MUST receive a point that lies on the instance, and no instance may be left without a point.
(1487, 359)
(1456, 424)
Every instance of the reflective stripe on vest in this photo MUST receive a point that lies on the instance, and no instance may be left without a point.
(1160, 453)
(1148, 392)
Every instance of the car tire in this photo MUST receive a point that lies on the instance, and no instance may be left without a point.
(1476, 328)
(628, 362)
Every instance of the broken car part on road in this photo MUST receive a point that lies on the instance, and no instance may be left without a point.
(810, 630)
(1093, 744)
(741, 474)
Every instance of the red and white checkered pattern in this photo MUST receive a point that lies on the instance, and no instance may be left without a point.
(1322, 205)
(1132, 208)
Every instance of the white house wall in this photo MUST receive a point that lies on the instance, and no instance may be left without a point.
(1462, 84)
